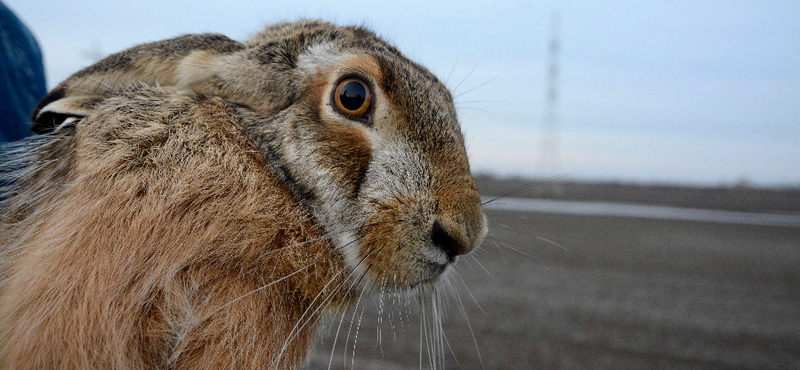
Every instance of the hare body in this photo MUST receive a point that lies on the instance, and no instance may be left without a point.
(200, 203)
(139, 237)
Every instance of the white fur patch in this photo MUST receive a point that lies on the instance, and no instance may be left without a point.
(320, 56)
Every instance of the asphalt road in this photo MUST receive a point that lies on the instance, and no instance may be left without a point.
(615, 293)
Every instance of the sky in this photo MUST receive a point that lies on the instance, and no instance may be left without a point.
(685, 92)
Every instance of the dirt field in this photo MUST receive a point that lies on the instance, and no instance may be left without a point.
(625, 294)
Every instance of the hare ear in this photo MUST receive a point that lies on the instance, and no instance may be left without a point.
(55, 111)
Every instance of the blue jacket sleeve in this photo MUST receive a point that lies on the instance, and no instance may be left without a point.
(22, 80)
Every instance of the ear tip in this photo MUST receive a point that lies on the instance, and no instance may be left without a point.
(38, 126)
(52, 96)
(54, 110)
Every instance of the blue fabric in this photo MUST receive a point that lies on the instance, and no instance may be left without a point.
(22, 81)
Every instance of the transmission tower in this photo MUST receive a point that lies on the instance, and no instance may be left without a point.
(548, 148)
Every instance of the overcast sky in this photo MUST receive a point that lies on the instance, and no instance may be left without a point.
(697, 92)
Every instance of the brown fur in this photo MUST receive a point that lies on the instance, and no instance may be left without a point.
(208, 204)
(171, 239)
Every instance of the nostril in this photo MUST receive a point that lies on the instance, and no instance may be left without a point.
(444, 241)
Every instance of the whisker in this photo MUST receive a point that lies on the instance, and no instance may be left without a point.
(352, 320)
(548, 241)
(326, 236)
(335, 250)
(530, 186)
(477, 109)
(336, 336)
(484, 268)
(447, 80)
(476, 87)
(553, 243)
(295, 330)
(471, 71)
(355, 339)
(497, 245)
(379, 329)
(355, 283)
(471, 331)
(446, 341)
(458, 104)
(424, 327)
(512, 247)
(473, 296)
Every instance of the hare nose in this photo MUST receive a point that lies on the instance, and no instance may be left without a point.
(446, 242)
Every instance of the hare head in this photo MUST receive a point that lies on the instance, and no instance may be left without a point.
(366, 138)
(365, 142)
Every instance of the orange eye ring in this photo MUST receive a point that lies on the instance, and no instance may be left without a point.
(352, 97)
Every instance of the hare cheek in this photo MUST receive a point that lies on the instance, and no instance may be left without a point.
(346, 152)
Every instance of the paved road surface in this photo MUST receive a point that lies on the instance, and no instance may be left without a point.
(623, 293)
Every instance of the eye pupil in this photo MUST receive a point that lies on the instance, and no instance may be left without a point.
(352, 97)
(353, 94)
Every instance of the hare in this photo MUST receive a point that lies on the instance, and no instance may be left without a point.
(200, 203)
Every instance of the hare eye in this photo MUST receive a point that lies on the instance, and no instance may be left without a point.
(352, 97)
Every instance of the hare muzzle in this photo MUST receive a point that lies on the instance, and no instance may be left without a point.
(418, 222)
